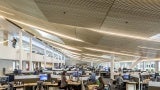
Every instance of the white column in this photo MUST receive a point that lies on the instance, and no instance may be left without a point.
(112, 67)
(45, 54)
(24, 66)
(91, 63)
(156, 66)
(30, 61)
(52, 59)
(20, 50)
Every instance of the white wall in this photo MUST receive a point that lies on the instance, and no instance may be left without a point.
(74, 62)
(8, 64)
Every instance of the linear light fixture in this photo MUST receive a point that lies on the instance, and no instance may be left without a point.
(2, 17)
(75, 53)
(112, 52)
(122, 35)
(129, 52)
(153, 59)
(64, 46)
(4, 41)
(6, 12)
(115, 34)
(45, 30)
(148, 48)
(91, 55)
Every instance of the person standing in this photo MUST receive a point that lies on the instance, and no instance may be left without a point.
(64, 81)
(14, 41)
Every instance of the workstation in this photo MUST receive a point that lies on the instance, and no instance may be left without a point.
(79, 45)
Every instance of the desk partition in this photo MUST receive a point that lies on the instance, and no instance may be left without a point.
(154, 85)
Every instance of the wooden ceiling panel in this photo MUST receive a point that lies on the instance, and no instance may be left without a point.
(134, 17)
(83, 13)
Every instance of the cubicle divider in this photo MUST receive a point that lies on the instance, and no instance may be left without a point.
(154, 85)
(30, 78)
(27, 78)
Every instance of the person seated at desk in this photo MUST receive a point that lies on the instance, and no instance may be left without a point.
(39, 85)
(141, 77)
(36, 71)
(63, 84)
(92, 78)
(101, 84)
(119, 81)
(15, 71)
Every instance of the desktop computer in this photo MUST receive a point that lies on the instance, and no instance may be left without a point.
(4, 79)
(156, 74)
(158, 78)
(126, 77)
(43, 77)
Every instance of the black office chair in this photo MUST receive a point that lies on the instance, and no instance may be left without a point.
(11, 86)
(40, 85)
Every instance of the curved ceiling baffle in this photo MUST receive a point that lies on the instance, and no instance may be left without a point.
(114, 26)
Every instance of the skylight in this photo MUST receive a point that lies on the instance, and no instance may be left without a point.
(49, 36)
(155, 37)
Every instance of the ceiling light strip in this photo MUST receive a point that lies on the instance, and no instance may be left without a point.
(148, 48)
(6, 12)
(4, 41)
(64, 46)
(105, 51)
(45, 30)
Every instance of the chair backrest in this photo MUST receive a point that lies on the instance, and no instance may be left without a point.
(107, 87)
(10, 86)
(39, 85)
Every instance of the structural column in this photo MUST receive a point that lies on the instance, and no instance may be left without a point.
(157, 66)
(30, 61)
(112, 67)
(20, 50)
(5, 38)
(52, 60)
(45, 54)
(91, 63)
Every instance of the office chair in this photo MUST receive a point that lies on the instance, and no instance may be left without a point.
(10, 86)
(39, 85)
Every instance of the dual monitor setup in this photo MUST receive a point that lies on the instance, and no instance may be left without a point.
(156, 76)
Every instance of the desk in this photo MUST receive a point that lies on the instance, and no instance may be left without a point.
(131, 85)
(91, 87)
(2, 88)
(74, 85)
(48, 84)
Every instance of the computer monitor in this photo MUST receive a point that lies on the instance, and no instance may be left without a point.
(158, 78)
(4, 79)
(19, 71)
(10, 77)
(126, 77)
(77, 74)
(43, 77)
(156, 74)
(106, 69)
